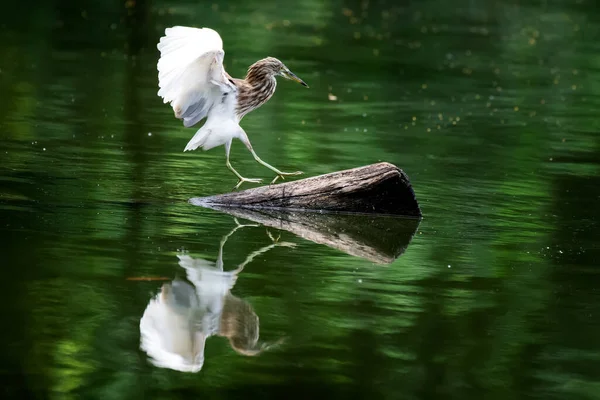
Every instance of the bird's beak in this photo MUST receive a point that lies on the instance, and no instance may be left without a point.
(291, 76)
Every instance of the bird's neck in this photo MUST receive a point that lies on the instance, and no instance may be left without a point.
(260, 86)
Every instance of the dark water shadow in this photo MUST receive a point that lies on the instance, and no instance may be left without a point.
(379, 239)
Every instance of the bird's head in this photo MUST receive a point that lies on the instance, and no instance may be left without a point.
(274, 67)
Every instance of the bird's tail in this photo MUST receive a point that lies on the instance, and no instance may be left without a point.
(199, 140)
(213, 134)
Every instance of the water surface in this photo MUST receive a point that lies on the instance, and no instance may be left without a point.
(489, 107)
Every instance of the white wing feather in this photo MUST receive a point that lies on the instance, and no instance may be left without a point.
(190, 71)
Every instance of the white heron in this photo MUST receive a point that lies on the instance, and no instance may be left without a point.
(191, 77)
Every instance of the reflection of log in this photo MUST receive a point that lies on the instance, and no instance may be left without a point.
(373, 189)
(380, 239)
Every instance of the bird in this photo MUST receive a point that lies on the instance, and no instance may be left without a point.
(187, 311)
(192, 79)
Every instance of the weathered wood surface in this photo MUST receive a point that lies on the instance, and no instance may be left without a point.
(378, 238)
(380, 188)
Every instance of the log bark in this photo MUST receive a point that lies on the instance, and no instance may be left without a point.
(380, 188)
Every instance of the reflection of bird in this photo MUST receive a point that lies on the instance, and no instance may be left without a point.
(191, 77)
(179, 319)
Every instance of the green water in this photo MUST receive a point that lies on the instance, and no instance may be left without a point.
(490, 107)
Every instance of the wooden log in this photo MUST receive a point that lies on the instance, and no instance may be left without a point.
(380, 188)
(378, 238)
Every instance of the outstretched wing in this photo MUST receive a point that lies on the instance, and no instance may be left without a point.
(190, 71)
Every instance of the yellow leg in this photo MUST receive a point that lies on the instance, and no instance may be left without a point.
(280, 174)
(241, 179)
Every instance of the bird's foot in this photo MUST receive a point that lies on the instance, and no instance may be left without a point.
(270, 235)
(249, 180)
(282, 175)
(240, 225)
(276, 241)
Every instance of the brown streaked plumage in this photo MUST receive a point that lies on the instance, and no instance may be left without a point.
(192, 78)
(258, 86)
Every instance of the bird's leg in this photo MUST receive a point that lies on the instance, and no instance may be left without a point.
(224, 240)
(280, 174)
(240, 177)
(264, 249)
